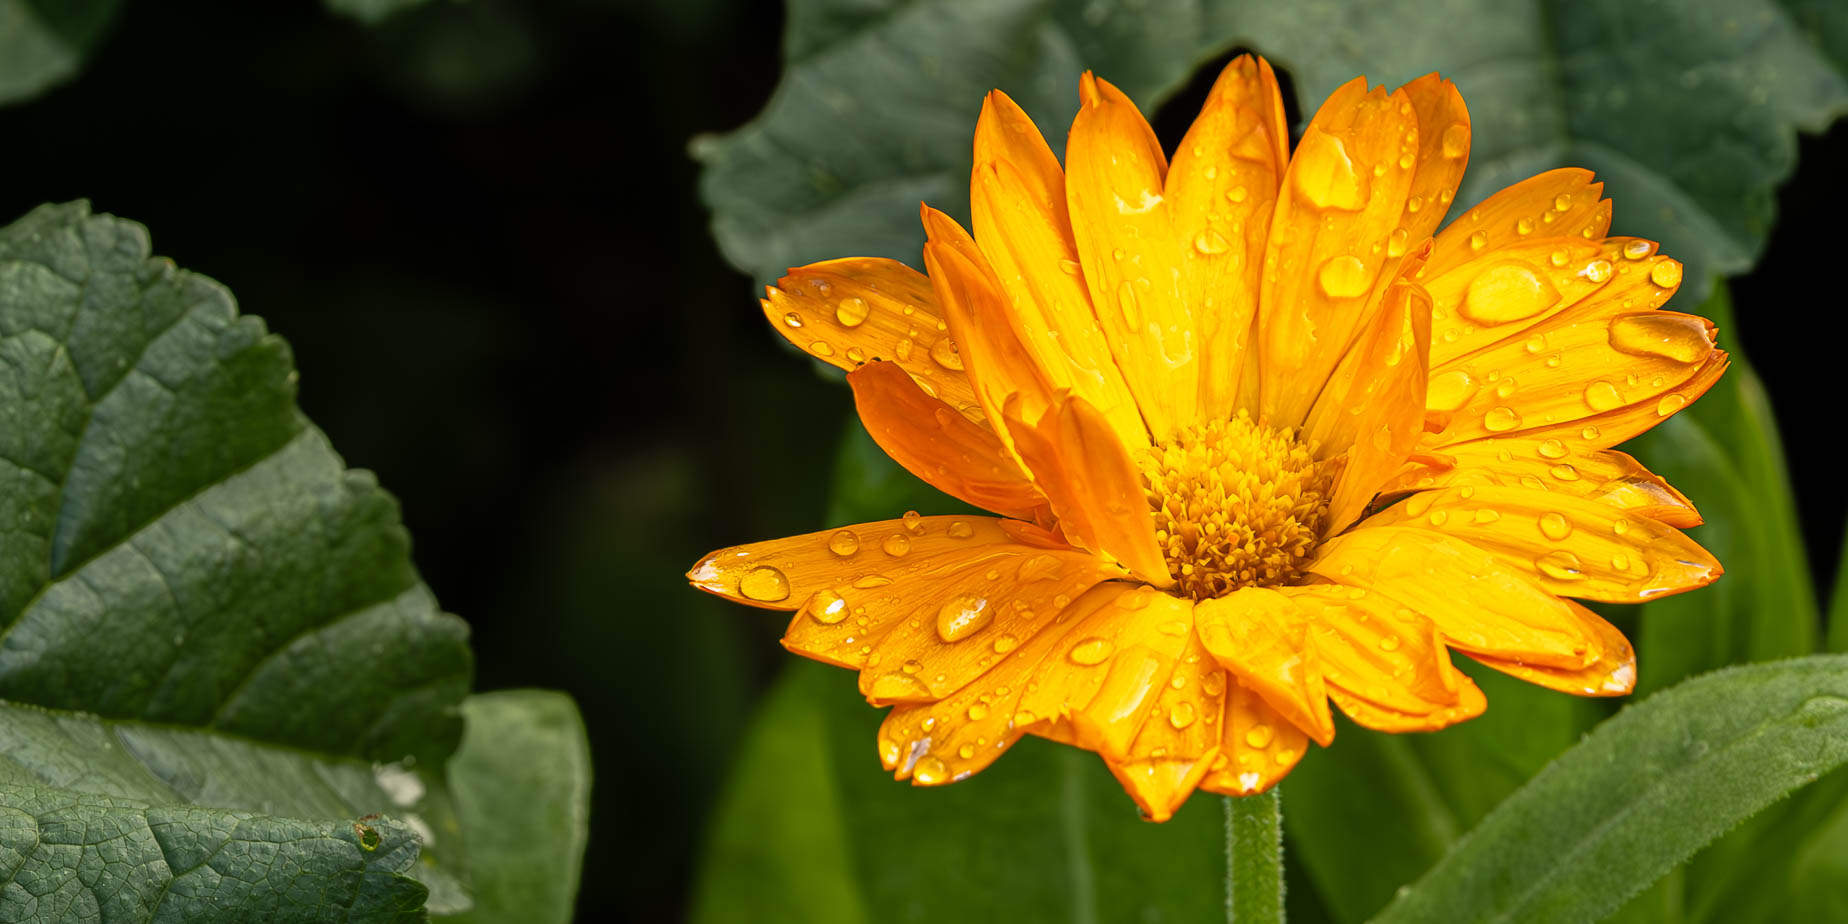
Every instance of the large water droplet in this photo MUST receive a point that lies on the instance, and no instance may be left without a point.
(1597, 270)
(1182, 715)
(1258, 736)
(960, 530)
(844, 543)
(1553, 449)
(1037, 568)
(1092, 651)
(1450, 390)
(852, 311)
(1344, 277)
(1666, 274)
(1602, 396)
(945, 353)
(1501, 419)
(1636, 250)
(1326, 177)
(764, 584)
(963, 616)
(792, 319)
(1456, 140)
(1211, 242)
(1670, 404)
(1126, 301)
(930, 771)
(1561, 565)
(826, 607)
(1659, 333)
(1554, 526)
(1507, 292)
(896, 545)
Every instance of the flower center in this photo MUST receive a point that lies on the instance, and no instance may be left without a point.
(1237, 504)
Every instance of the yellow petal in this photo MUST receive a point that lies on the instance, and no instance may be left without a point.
(1094, 488)
(1017, 197)
(1344, 193)
(1568, 545)
(1482, 604)
(1220, 192)
(1258, 747)
(1443, 152)
(1558, 203)
(947, 450)
(1180, 739)
(1377, 649)
(1131, 260)
(782, 574)
(1604, 475)
(1262, 637)
(852, 311)
(1367, 714)
(1502, 292)
(1372, 408)
(1612, 674)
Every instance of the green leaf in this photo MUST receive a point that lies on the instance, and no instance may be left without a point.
(372, 12)
(79, 857)
(1838, 605)
(43, 42)
(521, 785)
(1611, 815)
(186, 548)
(1724, 453)
(199, 605)
(1687, 109)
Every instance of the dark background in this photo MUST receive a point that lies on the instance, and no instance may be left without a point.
(477, 225)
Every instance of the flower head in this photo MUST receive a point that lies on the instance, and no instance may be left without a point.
(1257, 439)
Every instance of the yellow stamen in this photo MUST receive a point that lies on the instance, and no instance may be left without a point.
(1237, 504)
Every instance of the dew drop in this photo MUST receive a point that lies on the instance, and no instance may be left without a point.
(792, 319)
(1450, 390)
(1126, 302)
(945, 353)
(1524, 226)
(978, 711)
(1213, 684)
(1679, 337)
(764, 584)
(1396, 241)
(1666, 274)
(1602, 396)
(1486, 516)
(1553, 449)
(1258, 736)
(1037, 568)
(963, 616)
(1561, 565)
(1005, 644)
(1636, 250)
(1091, 651)
(1562, 202)
(1554, 526)
(852, 311)
(1211, 242)
(1182, 715)
(1597, 270)
(1456, 140)
(821, 348)
(960, 530)
(1389, 643)
(1478, 240)
(1670, 404)
(1501, 419)
(1507, 292)
(896, 545)
(844, 543)
(1344, 277)
(1565, 472)
(931, 771)
(826, 607)
(1238, 194)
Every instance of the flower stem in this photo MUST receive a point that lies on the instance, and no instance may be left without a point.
(1254, 859)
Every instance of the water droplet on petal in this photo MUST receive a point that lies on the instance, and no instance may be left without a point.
(945, 353)
(852, 311)
(1182, 715)
(1561, 565)
(1005, 644)
(1258, 736)
(1478, 240)
(1211, 242)
(826, 607)
(1456, 140)
(792, 319)
(1091, 651)
(1670, 404)
(978, 711)
(1237, 194)
(1126, 302)
(1389, 643)
(1679, 337)
(1597, 270)
(821, 348)
(896, 545)
(1636, 250)
(1507, 292)
(930, 771)
(960, 530)
(1602, 396)
(1501, 419)
(764, 584)
(963, 616)
(1555, 526)
(1666, 274)
(1450, 390)
(1565, 472)
(844, 543)
(1344, 277)
(1553, 449)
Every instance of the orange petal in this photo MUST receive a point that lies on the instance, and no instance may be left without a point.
(1604, 475)
(964, 617)
(783, 573)
(1558, 203)
(1094, 488)
(1179, 741)
(944, 741)
(1220, 192)
(1470, 704)
(1017, 196)
(1131, 260)
(1481, 603)
(947, 450)
(1568, 545)
(1259, 747)
(1443, 152)
(1377, 649)
(852, 311)
(1106, 673)
(1345, 191)
(976, 313)
(1373, 406)
(1612, 674)
(1262, 637)
(1502, 292)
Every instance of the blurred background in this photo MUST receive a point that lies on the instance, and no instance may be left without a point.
(477, 225)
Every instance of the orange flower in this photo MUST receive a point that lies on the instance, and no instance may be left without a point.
(1258, 441)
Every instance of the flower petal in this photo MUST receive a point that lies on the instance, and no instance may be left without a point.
(1443, 152)
(1180, 739)
(1093, 486)
(1377, 649)
(1258, 747)
(1567, 545)
(966, 616)
(1500, 293)
(1470, 704)
(975, 312)
(947, 450)
(1017, 197)
(1220, 192)
(1612, 674)
(1372, 408)
(1482, 604)
(852, 311)
(1345, 191)
(1563, 202)
(782, 574)
(1262, 637)
(1604, 475)
(1131, 261)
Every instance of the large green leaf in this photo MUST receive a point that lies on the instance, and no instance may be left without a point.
(521, 784)
(1686, 108)
(80, 857)
(199, 605)
(1612, 814)
(43, 42)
